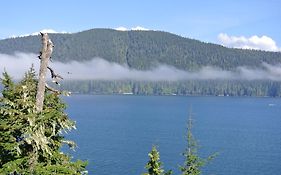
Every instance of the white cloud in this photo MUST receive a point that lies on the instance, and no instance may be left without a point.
(100, 69)
(138, 28)
(254, 42)
(37, 33)
(47, 31)
(121, 28)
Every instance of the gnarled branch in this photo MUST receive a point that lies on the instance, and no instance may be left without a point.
(52, 89)
(54, 76)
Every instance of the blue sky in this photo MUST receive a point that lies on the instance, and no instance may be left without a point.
(232, 23)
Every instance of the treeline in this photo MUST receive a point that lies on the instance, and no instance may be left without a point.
(191, 87)
(142, 50)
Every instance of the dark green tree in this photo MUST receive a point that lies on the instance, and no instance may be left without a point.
(193, 163)
(30, 142)
(154, 166)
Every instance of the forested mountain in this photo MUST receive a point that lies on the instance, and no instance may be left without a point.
(141, 49)
(144, 50)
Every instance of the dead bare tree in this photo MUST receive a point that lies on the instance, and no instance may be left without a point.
(45, 56)
(47, 49)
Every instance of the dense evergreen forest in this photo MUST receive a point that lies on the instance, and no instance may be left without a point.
(143, 50)
(191, 87)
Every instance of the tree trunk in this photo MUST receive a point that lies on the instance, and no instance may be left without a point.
(45, 54)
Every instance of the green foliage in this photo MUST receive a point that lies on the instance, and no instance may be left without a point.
(190, 87)
(154, 166)
(142, 50)
(30, 142)
(193, 163)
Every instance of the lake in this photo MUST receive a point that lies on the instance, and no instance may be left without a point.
(115, 133)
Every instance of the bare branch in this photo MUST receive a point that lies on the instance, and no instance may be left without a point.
(54, 76)
(52, 89)
(57, 92)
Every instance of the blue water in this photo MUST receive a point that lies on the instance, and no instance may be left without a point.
(115, 133)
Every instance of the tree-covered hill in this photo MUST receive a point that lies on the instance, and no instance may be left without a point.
(141, 49)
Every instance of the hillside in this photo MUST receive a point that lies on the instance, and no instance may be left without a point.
(141, 49)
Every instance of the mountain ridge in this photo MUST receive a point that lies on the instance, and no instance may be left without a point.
(141, 50)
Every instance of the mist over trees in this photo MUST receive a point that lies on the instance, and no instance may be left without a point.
(145, 50)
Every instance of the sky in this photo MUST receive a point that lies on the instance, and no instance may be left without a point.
(248, 24)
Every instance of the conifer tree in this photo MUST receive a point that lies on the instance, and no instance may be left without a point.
(154, 166)
(32, 122)
(193, 163)
(30, 142)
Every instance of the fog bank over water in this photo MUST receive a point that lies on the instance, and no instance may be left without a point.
(100, 69)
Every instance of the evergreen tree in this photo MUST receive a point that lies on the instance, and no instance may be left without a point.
(193, 163)
(30, 142)
(153, 166)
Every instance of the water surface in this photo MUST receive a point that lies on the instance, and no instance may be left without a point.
(115, 133)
